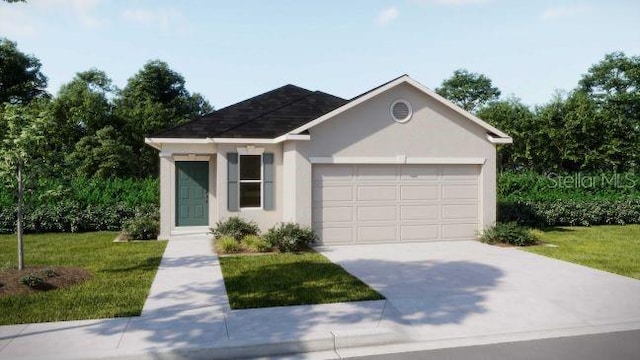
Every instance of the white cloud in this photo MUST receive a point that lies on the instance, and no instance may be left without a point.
(162, 18)
(451, 2)
(387, 15)
(567, 11)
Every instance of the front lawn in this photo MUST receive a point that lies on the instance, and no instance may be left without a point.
(611, 248)
(122, 274)
(289, 279)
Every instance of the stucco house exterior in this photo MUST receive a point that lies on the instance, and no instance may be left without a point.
(398, 163)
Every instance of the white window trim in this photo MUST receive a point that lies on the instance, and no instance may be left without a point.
(261, 181)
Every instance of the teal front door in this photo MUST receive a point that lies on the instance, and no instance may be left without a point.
(192, 191)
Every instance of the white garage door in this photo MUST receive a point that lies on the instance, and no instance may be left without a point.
(395, 203)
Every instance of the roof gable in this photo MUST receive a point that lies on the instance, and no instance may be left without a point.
(494, 135)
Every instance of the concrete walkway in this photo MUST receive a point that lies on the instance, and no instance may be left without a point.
(187, 315)
(438, 295)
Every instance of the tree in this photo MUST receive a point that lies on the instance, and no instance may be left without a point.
(154, 99)
(25, 129)
(468, 90)
(516, 119)
(614, 84)
(20, 78)
(102, 155)
(82, 107)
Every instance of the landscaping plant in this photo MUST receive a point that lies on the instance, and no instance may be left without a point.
(509, 233)
(289, 237)
(227, 244)
(235, 227)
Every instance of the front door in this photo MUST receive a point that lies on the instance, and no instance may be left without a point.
(192, 191)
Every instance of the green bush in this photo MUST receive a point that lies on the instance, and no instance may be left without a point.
(570, 213)
(227, 244)
(142, 227)
(71, 216)
(514, 186)
(32, 281)
(235, 227)
(48, 273)
(256, 243)
(509, 233)
(79, 204)
(289, 237)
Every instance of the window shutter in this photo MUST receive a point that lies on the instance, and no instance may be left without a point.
(267, 163)
(232, 182)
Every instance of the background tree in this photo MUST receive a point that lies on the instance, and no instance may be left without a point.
(468, 90)
(154, 99)
(102, 155)
(25, 129)
(517, 120)
(82, 107)
(20, 78)
(614, 84)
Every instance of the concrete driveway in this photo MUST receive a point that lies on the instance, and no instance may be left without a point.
(469, 290)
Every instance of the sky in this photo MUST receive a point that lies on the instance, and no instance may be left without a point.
(232, 50)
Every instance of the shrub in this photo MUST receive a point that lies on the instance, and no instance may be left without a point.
(227, 244)
(570, 213)
(142, 227)
(509, 233)
(256, 243)
(48, 273)
(288, 237)
(235, 227)
(32, 281)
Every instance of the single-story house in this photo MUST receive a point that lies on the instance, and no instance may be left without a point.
(397, 163)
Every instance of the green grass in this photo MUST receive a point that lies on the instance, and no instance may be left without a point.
(611, 248)
(122, 276)
(289, 279)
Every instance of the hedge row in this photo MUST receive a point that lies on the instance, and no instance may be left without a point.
(526, 186)
(570, 213)
(71, 216)
(89, 192)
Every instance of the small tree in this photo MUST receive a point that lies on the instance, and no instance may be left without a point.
(24, 129)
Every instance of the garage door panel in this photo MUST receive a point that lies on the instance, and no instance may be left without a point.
(375, 172)
(335, 235)
(369, 234)
(419, 192)
(333, 193)
(333, 172)
(393, 203)
(460, 211)
(419, 172)
(419, 232)
(376, 213)
(459, 231)
(419, 212)
(332, 214)
(460, 192)
(459, 173)
(376, 193)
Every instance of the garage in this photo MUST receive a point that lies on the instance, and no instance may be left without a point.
(385, 203)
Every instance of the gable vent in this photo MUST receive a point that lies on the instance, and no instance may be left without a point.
(401, 111)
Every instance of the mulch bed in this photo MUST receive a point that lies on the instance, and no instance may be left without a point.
(55, 277)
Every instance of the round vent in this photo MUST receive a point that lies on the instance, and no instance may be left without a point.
(401, 111)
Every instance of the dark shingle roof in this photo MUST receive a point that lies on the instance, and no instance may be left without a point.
(268, 115)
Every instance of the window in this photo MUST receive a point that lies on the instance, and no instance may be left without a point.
(250, 181)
